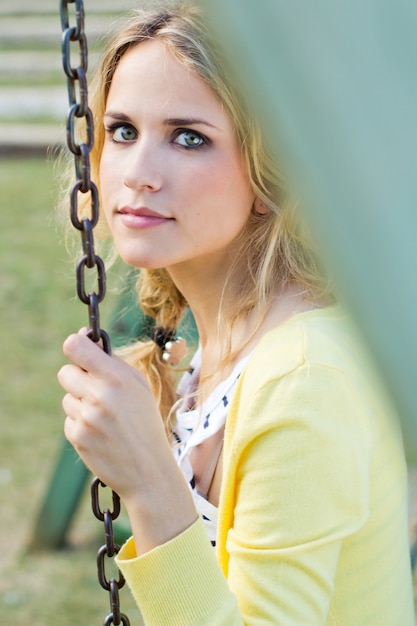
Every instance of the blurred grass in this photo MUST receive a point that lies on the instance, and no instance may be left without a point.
(38, 309)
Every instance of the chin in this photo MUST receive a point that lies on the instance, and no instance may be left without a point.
(140, 262)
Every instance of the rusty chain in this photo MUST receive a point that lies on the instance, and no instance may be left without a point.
(79, 113)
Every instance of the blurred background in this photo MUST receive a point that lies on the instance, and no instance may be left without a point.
(41, 585)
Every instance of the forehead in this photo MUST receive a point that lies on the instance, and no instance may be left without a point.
(149, 76)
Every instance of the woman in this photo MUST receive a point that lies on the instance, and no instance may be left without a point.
(282, 448)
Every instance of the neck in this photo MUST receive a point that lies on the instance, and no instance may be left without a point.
(202, 286)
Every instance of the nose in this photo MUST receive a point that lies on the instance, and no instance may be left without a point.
(143, 167)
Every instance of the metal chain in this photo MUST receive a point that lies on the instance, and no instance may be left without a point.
(79, 113)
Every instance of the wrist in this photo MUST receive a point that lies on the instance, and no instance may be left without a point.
(162, 511)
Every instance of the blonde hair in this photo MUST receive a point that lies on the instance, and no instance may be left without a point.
(278, 250)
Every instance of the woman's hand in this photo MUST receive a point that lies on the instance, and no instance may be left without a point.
(114, 424)
(112, 418)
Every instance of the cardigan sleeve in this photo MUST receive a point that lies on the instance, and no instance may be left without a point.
(295, 485)
(180, 582)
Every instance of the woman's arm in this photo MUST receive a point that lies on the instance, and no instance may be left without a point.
(114, 424)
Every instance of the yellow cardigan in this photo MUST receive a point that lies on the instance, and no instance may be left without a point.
(313, 506)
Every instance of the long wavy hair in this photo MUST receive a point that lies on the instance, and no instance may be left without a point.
(273, 248)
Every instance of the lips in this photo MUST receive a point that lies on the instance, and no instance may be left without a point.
(140, 212)
(141, 217)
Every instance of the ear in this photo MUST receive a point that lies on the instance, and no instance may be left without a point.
(260, 207)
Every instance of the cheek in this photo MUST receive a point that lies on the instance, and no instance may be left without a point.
(106, 171)
(232, 187)
(221, 178)
(109, 180)
(106, 195)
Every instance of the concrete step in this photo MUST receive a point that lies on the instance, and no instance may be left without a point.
(24, 63)
(28, 139)
(52, 6)
(32, 82)
(33, 103)
(21, 65)
(45, 31)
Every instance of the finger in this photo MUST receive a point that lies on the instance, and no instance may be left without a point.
(86, 354)
(71, 406)
(86, 332)
(72, 432)
(74, 380)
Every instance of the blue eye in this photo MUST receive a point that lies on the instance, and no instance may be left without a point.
(189, 139)
(120, 133)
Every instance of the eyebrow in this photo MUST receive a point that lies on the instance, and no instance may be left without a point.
(116, 115)
(187, 121)
(172, 121)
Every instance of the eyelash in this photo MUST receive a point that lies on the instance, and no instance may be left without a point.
(183, 131)
(111, 131)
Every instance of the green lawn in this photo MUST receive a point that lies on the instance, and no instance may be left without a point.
(38, 309)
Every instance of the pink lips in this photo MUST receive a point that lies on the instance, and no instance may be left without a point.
(141, 217)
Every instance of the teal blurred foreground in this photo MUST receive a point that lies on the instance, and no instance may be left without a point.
(336, 86)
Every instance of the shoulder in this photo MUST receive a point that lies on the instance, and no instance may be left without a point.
(312, 365)
(324, 337)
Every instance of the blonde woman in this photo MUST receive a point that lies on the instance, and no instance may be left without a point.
(278, 445)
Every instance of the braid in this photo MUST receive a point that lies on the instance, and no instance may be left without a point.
(160, 300)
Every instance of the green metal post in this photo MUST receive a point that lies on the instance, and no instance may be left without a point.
(61, 501)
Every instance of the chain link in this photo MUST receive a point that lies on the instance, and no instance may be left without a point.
(80, 118)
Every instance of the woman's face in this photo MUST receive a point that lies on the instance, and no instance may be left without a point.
(174, 187)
